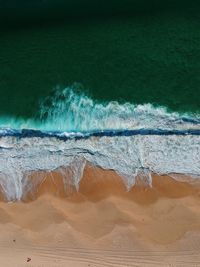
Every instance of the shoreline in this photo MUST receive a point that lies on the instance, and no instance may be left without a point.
(104, 225)
(102, 183)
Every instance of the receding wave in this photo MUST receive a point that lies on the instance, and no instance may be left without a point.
(74, 131)
(128, 156)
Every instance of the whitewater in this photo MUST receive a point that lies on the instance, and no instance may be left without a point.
(73, 130)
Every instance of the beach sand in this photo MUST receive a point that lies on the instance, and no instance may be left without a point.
(102, 224)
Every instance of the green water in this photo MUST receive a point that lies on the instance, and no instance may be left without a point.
(149, 55)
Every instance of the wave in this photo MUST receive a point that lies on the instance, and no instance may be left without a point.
(74, 131)
(128, 156)
(69, 111)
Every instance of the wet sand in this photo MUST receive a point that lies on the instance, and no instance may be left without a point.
(102, 224)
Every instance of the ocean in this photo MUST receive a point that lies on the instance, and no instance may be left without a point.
(115, 85)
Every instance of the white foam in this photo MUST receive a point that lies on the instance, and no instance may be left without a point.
(128, 156)
(72, 112)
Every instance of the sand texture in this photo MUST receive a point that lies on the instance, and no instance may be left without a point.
(102, 224)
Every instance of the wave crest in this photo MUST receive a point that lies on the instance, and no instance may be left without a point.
(70, 111)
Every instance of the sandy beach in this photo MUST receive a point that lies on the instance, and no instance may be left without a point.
(99, 133)
(102, 224)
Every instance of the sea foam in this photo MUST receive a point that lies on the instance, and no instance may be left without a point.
(129, 156)
(69, 111)
(74, 130)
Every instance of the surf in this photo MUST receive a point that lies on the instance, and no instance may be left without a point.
(70, 110)
(128, 156)
(74, 131)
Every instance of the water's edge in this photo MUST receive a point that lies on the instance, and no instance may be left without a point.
(128, 153)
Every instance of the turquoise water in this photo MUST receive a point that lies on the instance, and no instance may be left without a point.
(136, 51)
(113, 84)
(72, 111)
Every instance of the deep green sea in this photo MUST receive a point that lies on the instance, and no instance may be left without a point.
(113, 84)
(137, 51)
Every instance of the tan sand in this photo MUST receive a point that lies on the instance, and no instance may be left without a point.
(102, 224)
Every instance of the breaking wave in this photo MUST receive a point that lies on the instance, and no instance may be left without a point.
(74, 130)
(69, 111)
